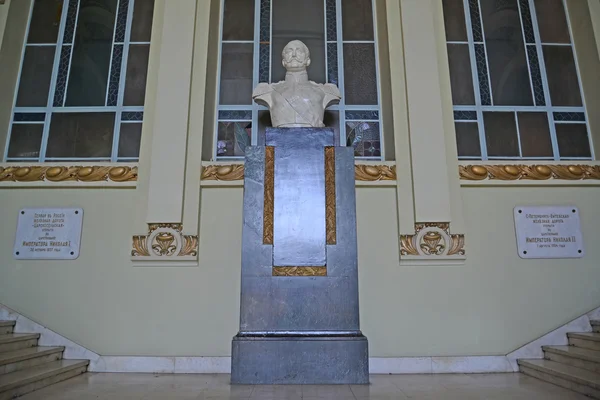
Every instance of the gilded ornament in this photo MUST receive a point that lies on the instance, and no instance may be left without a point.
(529, 172)
(330, 210)
(269, 195)
(165, 240)
(68, 174)
(363, 172)
(232, 172)
(299, 271)
(372, 173)
(432, 239)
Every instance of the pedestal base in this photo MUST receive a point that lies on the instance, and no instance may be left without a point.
(310, 359)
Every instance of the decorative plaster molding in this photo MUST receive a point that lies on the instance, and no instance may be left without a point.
(235, 172)
(164, 241)
(432, 239)
(231, 172)
(55, 173)
(373, 173)
(540, 172)
(299, 271)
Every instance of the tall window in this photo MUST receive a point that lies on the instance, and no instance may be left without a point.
(515, 84)
(82, 81)
(341, 37)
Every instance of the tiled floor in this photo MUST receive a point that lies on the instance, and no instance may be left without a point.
(382, 387)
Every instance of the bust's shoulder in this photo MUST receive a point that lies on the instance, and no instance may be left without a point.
(331, 89)
(262, 88)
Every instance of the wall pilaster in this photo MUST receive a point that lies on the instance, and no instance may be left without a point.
(431, 133)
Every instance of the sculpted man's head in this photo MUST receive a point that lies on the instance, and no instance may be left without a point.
(296, 56)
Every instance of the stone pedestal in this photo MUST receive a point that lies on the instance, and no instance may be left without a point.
(299, 321)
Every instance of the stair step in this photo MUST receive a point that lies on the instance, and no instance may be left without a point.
(17, 341)
(595, 325)
(7, 327)
(576, 379)
(22, 382)
(574, 356)
(26, 358)
(587, 340)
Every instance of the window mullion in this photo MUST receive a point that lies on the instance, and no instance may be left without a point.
(475, 77)
(542, 62)
(122, 76)
(55, 70)
(340, 60)
(16, 92)
(256, 69)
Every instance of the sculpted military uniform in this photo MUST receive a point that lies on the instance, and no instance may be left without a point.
(296, 102)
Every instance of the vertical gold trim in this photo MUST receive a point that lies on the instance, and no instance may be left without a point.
(269, 193)
(299, 271)
(330, 195)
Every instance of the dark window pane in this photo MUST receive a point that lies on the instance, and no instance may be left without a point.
(357, 20)
(35, 76)
(302, 22)
(360, 82)
(25, 140)
(461, 76)
(364, 137)
(454, 20)
(137, 70)
(573, 140)
(467, 139)
(130, 138)
(331, 119)
(562, 76)
(91, 55)
(43, 27)
(535, 134)
(233, 137)
(238, 20)
(81, 135)
(141, 26)
(552, 21)
(501, 134)
(509, 72)
(236, 74)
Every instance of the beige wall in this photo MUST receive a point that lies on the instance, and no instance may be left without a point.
(491, 305)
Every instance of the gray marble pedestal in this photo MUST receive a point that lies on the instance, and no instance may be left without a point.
(299, 321)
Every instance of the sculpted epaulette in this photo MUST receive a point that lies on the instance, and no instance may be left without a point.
(331, 89)
(261, 89)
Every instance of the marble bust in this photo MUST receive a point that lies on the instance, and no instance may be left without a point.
(296, 101)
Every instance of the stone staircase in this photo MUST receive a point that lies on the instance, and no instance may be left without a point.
(25, 366)
(575, 367)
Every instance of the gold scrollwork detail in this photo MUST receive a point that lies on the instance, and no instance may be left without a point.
(372, 173)
(165, 240)
(235, 172)
(540, 172)
(299, 271)
(232, 172)
(432, 239)
(68, 174)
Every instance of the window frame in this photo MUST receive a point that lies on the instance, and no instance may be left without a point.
(123, 114)
(555, 114)
(261, 7)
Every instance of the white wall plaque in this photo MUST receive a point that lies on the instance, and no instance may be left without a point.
(48, 233)
(548, 232)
